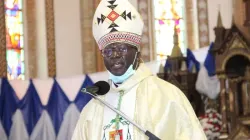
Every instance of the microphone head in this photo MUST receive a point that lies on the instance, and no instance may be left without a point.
(103, 86)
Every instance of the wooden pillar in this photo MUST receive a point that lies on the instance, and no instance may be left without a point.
(233, 103)
(240, 17)
(224, 129)
(30, 13)
(190, 24)
(50, 31)
(3, 61)
(247, 10)
(89, 47)
(144, 10)
(203, 23)
(99, 59)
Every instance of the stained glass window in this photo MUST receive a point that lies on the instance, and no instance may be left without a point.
(168, 14)
(14, 39)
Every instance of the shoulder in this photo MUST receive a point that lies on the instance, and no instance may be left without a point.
(162, 95)
(162, 89)
(90, 110)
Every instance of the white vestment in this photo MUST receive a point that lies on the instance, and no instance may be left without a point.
(157, 106)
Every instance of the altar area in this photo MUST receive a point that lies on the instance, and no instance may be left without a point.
(49, 109)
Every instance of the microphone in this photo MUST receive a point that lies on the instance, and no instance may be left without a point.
(101, 88)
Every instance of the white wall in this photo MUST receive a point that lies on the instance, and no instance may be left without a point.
(68, 38)
(226, 9)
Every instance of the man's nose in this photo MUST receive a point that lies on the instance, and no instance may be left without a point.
(115, 54)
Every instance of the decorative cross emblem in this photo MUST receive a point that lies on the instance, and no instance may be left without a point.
(113, 15)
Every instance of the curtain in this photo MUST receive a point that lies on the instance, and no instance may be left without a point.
(41, 109)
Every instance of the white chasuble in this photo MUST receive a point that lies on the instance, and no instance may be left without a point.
(116, 127)
(152, 103)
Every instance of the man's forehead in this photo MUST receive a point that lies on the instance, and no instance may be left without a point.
(118, 44)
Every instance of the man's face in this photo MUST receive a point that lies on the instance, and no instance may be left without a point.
(118, 57)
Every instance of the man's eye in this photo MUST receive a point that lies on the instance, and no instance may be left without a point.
(107, 51)
(122, 49)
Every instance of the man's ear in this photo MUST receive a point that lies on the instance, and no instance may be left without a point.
(137, 61)
(138, 55)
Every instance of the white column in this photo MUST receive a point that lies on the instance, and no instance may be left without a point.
(42, 65)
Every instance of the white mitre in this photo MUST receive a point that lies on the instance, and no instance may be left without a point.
(117, 21)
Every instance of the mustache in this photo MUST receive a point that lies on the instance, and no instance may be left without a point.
(119, 61)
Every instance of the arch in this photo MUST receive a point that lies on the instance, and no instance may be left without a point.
(232, 54)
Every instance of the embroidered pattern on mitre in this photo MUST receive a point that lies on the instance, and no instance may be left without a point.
(117, 21)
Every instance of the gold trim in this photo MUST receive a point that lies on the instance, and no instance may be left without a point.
(30, 12)
(50, 31)
(221, 76)
(239, 133)
(236, 80)
(245, 120)
(237, 43)
(3, 61)
(231, 101)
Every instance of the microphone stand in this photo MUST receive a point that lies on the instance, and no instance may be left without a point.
(146, 132)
